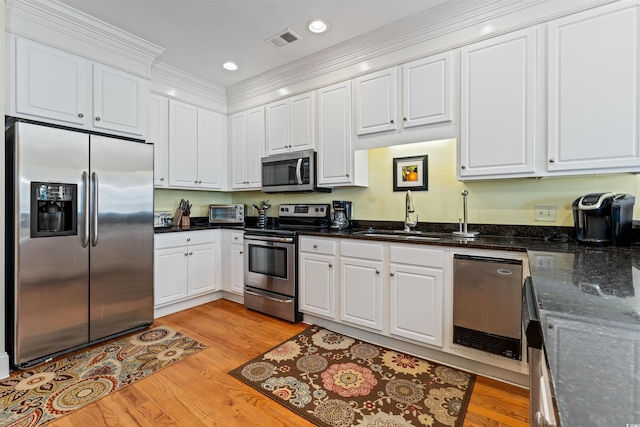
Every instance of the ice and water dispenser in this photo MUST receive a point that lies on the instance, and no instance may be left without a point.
(53, 209)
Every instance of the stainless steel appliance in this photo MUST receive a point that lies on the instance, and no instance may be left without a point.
(226, 214)
(542, 405)
(487, 299)
(79, 239)
(291, 172)
(341, 214)
(604, 218)
(271, 264)
(162, 219)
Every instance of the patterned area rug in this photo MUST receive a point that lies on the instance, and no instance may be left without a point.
(50, 390)
(333, 380)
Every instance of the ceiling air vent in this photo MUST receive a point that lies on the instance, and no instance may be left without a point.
(283, 38)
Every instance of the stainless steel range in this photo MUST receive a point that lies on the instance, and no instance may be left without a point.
(271, 260)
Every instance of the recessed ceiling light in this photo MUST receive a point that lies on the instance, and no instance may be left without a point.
(229, 66)
(318, 26)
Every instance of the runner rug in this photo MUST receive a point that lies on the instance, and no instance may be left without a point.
(334, 380)
(35, 396)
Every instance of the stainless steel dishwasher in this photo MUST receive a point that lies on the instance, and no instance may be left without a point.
(487, 304)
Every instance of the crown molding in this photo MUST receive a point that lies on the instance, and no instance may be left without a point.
(448, 26)
(176, 83)
(60, 26)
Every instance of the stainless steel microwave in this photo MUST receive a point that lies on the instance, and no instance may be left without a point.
(226, 214)
(291, 173)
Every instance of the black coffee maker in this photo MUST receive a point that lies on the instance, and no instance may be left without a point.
(604, 218)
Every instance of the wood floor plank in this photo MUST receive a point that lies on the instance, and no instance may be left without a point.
(199, 392)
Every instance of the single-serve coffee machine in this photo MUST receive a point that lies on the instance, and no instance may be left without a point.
(341, 214)
(604, 218)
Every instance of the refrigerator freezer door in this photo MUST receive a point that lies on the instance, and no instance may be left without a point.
(121, 283)
(51, 274)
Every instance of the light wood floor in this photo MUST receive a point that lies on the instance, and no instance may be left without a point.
(198, 391)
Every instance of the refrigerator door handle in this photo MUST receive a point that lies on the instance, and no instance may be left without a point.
(85, 183)
(94, 179)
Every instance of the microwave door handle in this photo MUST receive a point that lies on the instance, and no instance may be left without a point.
(299, 171)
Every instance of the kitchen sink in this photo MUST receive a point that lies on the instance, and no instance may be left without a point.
(409, 235)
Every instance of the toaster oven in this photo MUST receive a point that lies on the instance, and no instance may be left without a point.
(226, 214)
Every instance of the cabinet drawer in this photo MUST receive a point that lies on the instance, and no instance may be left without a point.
(237, 237)
(184, 238)
(318, 246)
(415, 255)
(372, 251)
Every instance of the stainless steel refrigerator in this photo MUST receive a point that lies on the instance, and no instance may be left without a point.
(79, 239)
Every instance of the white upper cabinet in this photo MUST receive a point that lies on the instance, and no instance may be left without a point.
(290, 124)
(593, 95)
(54, 86)
(338, 164)
(247, 148)
(498, 107)
(196, 147)
(427, 96)
(427, 91)
(158, 134)
(376, 102)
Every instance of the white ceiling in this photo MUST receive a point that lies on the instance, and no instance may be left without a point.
(200, 35)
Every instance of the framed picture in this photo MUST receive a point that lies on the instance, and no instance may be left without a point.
(410, 173)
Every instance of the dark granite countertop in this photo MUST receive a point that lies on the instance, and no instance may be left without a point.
(197, 223)
(589, 303)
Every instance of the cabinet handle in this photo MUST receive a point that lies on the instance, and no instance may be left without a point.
(377, 271)
(463, 167)
(391, 121)
(392, 274)
(80, 115)
(315, 246)
(98, 119)
(347, 175)
(195, 182)
(330, 265)
(404, 119)
(188, 239)
(161, 179)
(199, 182)
(241, 252)
(235, 238)
(186, 254)
(190, 253)
(551, 160)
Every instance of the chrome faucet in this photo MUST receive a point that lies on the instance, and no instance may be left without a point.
(408, 224)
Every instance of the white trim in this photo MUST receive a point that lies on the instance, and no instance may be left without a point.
(60, 26)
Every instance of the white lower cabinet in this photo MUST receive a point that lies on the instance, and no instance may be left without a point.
(361, 284)
(416, 292)
(395, 290)
(186, 264)
(233, 261)
(317, 276)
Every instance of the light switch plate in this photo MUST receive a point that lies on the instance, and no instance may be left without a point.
(544, 213)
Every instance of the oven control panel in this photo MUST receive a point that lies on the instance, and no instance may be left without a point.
(312, 210)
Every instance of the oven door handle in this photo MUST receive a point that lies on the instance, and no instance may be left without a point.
(269, 239)
(281, 301)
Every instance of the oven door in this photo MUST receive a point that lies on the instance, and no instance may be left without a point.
(270, 264)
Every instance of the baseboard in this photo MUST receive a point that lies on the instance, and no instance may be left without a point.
(4, 365)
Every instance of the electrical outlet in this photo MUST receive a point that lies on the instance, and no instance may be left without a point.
(544, 213)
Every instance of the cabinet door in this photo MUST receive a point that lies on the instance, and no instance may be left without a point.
(159, 136)
(202, 269)
(427, 91)
(183, 144)
(237, 269)
(238, 143)
(170, 275)
(211, 153)
(593, 96)
(52, 84)
(498, 102)
(278, 127)
(416, 300)
(255, 147)
(118, 100)
(302, 120)
(317, 285)
(376, 102)
(361, 292)
(335, 154)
